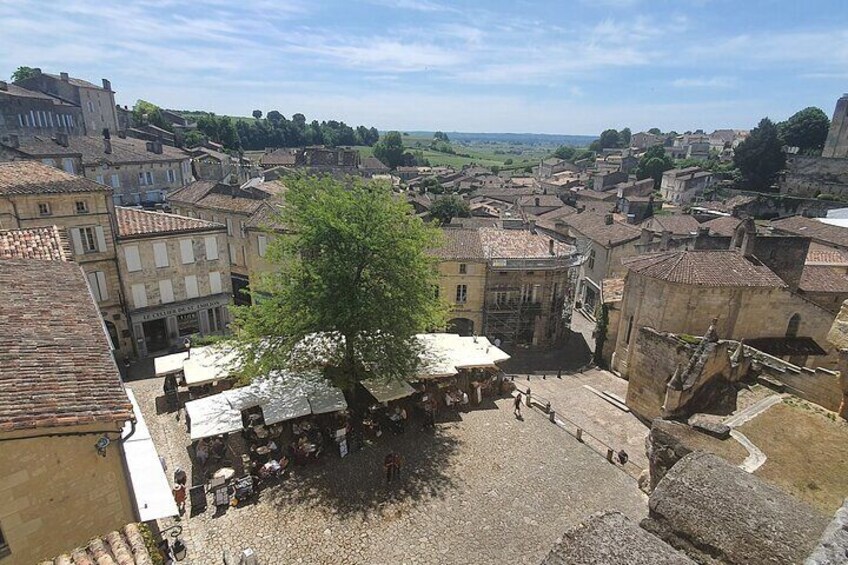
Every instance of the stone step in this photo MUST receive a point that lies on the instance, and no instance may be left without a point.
(609, 398)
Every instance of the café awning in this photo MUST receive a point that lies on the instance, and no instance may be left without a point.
(150, 486)
(209, 364)
(324, 400)
(386, 391)
(444, 355)
(168, 364)
(212, 416)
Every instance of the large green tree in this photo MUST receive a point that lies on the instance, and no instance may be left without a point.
(653, 164)
(145, 112)
(610, 139)
(805, 129)
(22, 73)
(389, 149)
(566, 152)
(449, 207)
(352, 266)
(760, 158)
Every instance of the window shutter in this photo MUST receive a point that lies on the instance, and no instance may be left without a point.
(76, 239)
(215, 282)
(133, 258)
(186, 251)
(92, 284)
(191, 286)
(211, 247)
(166, 291)
(160, 254)
(101, 239)
(139, 295)
(101, 285)
(263, 244)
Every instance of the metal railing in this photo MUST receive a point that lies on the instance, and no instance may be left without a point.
(577, 431)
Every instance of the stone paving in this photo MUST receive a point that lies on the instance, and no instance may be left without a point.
(482, 488)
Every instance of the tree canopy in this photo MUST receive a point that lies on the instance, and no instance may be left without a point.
(145, 112)
(449, 207)
(354, 266)
(566, 152)
(441, 136)
(390, 149)
(760, 158)
(653, 164)
(805, 129)
(610, 139)
(22, 73)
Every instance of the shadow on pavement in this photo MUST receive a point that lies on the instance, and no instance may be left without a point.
(356, 485)
(572, 355)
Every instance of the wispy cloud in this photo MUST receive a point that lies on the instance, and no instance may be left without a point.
(416, 5)
(704, 82)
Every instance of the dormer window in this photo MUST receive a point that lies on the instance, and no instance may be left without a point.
(81, 207)
(43, 209)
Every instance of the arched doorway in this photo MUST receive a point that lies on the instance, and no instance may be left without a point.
(461, 326)
(793, 325)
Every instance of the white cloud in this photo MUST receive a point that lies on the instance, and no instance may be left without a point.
(704, 82)
(415, 5)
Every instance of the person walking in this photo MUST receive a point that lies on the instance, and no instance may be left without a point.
(517, 406)
(389, 467)
(180, 497)
(396, 463)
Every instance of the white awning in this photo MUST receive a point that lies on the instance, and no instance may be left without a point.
(324, 400)
(386, 391)
(445, 355)
(209, 364)
(168, 364)
(283, 409)
(150, 486)
(212, 416)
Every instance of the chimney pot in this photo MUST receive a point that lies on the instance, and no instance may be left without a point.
(106, 84)
(537, 201)
(64, 77)
(608, 219)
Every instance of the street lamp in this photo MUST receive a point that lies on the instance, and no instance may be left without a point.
(178, 548)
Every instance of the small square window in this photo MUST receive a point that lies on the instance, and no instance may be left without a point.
(82, 207)
(463, 268)
(44, 209)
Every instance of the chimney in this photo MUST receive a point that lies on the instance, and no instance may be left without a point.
(551, 247)
(107, 85)
(62, 138)
(532, 226)
(14, 141)
(608, 219)
(107, 141)
(4, 85)
(536, 200)
(64, 77)
(647, 236)
(665, 239)
(36, 71)
(748, 244)
(149, 146)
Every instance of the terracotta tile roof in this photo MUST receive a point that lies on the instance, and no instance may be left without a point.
(75, 81)
(589, 194)
(724, 226)
(704, 268)
(560, 212)
(520, 244)
(460, 243)
(13, 89)
(209, 194)
(677, 224)
(821, 278)
(265, 217)
(814, 229)
(125, 547)
(545, 200)
(91, 149)
(373, 163)
(823, 255)
(612, 290)
(47, 243)
(594, 227)
(279, 157)
(56, 364)
(32, 177)
(134, 222)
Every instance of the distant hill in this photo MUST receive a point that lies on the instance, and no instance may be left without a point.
(523, 138)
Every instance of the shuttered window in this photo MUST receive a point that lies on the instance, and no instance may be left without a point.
(133, 258)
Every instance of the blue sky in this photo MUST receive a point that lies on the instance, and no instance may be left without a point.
(569, 66)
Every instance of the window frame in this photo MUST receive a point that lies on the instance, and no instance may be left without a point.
(81, 209)
(46, 211)
(463, 268)
(461, 293)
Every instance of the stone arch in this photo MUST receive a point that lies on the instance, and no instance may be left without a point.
(461, 326)
(793, 326)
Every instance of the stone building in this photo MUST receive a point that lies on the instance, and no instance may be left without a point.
(603, 242)
(138, 171)
(836, 145)
(26, 113)
(249, 216)
(644, 140)
(511, 285)
(682, 186)
(683, 291)
(36, 195)
(175, 274)
(316, 158)
(97, 103)
(62, 409)
(209, 164)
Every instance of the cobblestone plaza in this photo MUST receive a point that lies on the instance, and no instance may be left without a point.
(483, 487)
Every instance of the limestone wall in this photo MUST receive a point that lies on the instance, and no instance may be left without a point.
(57, 493)
(811, 176)
(655, 358)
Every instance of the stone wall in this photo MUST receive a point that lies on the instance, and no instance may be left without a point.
(811, 176)
(814, 384)
(58, 493)
(718, 513)
(655, 358)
